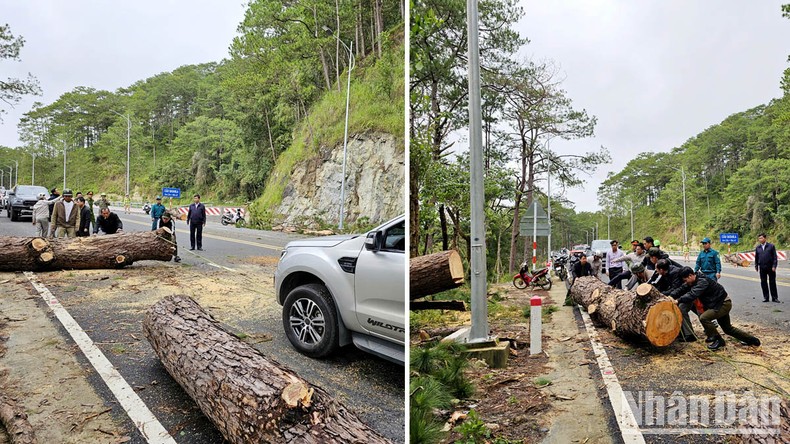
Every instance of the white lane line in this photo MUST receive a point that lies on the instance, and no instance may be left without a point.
(141, 416)
(622, 411)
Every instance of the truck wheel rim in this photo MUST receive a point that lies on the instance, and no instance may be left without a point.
(307, 321)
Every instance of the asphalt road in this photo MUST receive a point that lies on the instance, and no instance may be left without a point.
(372, 387)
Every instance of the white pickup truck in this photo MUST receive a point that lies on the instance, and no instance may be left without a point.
(338, 290)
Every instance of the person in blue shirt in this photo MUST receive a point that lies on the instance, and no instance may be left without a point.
(157, 210)
(708, 261)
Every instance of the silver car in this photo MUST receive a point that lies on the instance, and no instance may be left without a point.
(338, 290)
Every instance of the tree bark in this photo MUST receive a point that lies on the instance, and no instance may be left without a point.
(249, 398)
(111, 251)
(646, 313)
(14, 419)
(434, 273)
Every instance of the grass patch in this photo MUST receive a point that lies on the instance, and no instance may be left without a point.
(241, 335)
(545, 311)
(542, 381)
(69, 288)
(118, 349)
(776, 310)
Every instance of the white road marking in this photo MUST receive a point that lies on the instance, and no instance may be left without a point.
(629, 428)
(141, 416)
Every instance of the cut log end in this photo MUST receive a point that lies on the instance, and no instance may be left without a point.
(120, 259)
(663, 323)
(39, 244)
(592, 308)
(643, 290)
(296, 394)
(46, 256)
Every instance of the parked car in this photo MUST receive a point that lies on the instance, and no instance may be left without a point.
(20, 200)
(338, 290)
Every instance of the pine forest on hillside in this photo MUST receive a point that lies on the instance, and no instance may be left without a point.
(219, 128)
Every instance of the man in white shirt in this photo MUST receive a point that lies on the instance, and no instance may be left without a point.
(65, 217)
(614, 268)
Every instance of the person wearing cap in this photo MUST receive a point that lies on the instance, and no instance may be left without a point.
(708, 261)
(103, 202)
(84, 229)
(157, 210)
(653, 255)
(196, 218)
(167, 221)
(639, 275)
(127, 204)
(716, 304)
(41, 213)
(65, 216)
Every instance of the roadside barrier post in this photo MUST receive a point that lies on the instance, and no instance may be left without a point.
(535, 326)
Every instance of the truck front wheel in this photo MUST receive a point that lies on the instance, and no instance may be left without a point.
(310, 320)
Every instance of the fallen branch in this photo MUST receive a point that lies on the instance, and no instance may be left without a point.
(14, 419)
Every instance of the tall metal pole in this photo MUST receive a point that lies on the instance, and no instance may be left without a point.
(632, 219)
(345, 134)
(64, 166)
(2, 178)
(479, 330)
(16, 178)
(548, 198)
(128, 145)
(33, 170)
(608, 226)
(685, 233)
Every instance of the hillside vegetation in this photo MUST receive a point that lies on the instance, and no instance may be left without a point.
(219, 128)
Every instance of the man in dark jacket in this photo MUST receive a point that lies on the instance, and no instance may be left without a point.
(667, 279)
(717, 307)
(108, 222)
(196, 218)
(765, 261)
(166, 221)
(84, 229)
(654, 254)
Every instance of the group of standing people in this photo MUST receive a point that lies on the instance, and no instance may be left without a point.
(694, 289)
(68, 215)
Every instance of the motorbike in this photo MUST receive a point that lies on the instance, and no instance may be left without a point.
(233, 219)
(147, 208)
(539, 278)
(559, 264)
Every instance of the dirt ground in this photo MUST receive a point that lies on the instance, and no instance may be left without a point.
(536, 397)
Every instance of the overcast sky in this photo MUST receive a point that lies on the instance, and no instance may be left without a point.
(657, 73)
(110, 44)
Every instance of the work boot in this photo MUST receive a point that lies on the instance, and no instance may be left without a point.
(177, 259)
(753, 342)
(710, 339)
(718, 342)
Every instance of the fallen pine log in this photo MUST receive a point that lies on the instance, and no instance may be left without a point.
(645, 313)
(248, 397)
(434, 273)
(14, 419)
(110, 251)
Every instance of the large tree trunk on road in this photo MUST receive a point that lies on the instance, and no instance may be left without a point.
(111, 251)
(249, 398)
(645, 313)
(434, 273)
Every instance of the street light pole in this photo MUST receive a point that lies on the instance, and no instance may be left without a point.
(128, 144)
(16, 178)
(351, 64)
(33, 170)
(64, 165)
(683, 181)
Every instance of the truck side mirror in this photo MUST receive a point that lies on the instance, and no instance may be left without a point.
(373, 240)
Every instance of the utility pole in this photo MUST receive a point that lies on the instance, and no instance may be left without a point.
(33, 170)
(479, 330)
(632, 219)
(64, 165)
(16, 178)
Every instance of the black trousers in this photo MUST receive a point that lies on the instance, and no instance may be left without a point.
(768, 278)
(196, 235)
(613, 273)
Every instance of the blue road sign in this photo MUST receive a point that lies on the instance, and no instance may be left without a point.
(728, 238)
(171, 192)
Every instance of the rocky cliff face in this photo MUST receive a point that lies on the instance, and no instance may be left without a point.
(375, 184)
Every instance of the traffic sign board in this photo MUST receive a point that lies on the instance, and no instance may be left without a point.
(171, 192)
(728, 238)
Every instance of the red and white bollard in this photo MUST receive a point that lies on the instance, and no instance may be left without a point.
(535, 325)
